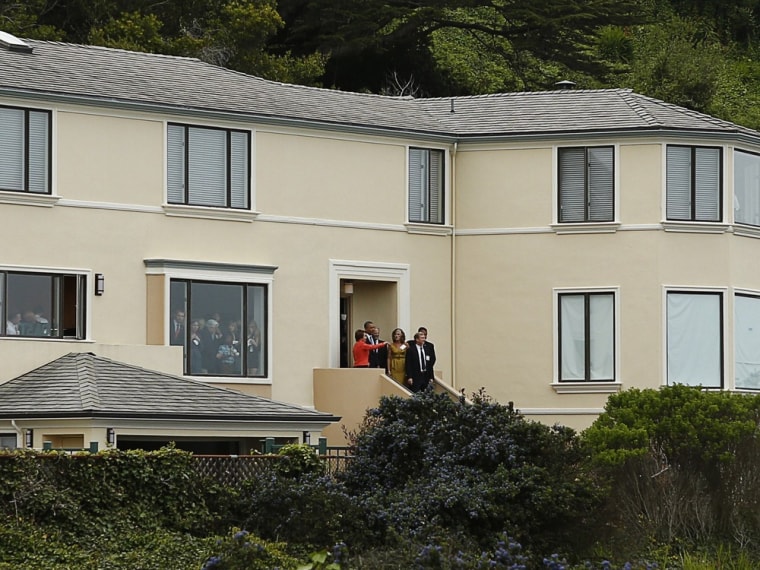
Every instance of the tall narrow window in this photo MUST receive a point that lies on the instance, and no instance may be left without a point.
(25, 150)
(208, 166)
(43, 304)
(695, 338)
(694, 182)
(426, 177)
(747, 341)
(586, 337)
(587, 184)
(746, 188)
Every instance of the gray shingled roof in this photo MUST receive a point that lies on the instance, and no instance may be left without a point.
(86, 385)
(111, 76)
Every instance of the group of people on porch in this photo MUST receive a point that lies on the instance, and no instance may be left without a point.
(408, 363)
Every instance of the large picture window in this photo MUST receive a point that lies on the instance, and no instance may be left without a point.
(586, 337)
(747, 341)
(695, 338)
(586, 184)
(693, 183)
(42, 305)
(208, 166)
(222, 327)
(746, 188)
(426, 182)
(25, 150)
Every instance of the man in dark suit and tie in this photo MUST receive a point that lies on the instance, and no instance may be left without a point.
(177, 333)
(419, 365)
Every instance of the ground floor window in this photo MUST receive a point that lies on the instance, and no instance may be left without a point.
(747, 341)
(7, 441)
(586, 336)
(695, 338)
(222, 327)
(42, 304)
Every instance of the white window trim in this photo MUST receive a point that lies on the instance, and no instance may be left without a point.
(726, 321)
(399, 273)
(585, 227)
(444, 228)
(584, 387)
(730, 380)
(225, 273)
(89, 296)
(685, 225)
(210, 212)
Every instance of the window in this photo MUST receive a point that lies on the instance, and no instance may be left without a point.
(224, 332)
(208, 166)
(693, 183)
(746, 188)
(42, 304)
(25, 150)
(586, 337)
(747, 341)
(695, 338)
(7, 441)
(586, 184)
(426, 185)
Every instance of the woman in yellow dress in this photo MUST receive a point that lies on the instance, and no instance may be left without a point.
(397, 356)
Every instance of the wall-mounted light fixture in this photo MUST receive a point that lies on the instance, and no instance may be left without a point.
(100, 283)
(30, 438)
(348, 288)
(110, 436)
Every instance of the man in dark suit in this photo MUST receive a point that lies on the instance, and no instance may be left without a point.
(428, 345)
(177, 332)
(378, 358)
(419, 365)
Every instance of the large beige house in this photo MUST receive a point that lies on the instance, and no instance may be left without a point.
(559, 246)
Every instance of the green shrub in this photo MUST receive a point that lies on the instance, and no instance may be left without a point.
(243, 551)
(428, 466)
(299, 459)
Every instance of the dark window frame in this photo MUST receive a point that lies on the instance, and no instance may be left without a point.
(228, 167)
(27, 152)
(429, 190)
(587, 334)
(263, 326)
(61, 286)
(693, 183)
(587, 185)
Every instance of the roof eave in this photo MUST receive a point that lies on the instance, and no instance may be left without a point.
(116, 415)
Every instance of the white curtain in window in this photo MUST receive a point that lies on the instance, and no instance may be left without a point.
(572, 337)
(694, 339)
(747, 341)
(746, 188)
(435, 187)
(602, 336)
(176, 164)
(11, 149)
(418, 172)
(239, 154)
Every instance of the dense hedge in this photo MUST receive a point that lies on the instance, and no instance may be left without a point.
(662, 474)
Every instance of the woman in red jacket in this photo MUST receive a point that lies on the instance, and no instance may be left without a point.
(362, 349)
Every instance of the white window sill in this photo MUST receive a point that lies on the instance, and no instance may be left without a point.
(210, 213)
(586, 228)
(587, 387)
(695, 227)
(231, 380)
(747, 231)
(28, 199)
(429, 229)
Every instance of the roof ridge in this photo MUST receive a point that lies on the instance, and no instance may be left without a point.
(695, 114)
(631, 99)
(87, 380)
(560, 92)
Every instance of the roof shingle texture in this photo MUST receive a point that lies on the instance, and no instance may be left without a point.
(83, 384)
(113, 75)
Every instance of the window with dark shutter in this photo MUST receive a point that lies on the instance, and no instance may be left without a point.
(586, 184)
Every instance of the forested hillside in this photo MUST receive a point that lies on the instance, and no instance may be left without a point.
(702, 54)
